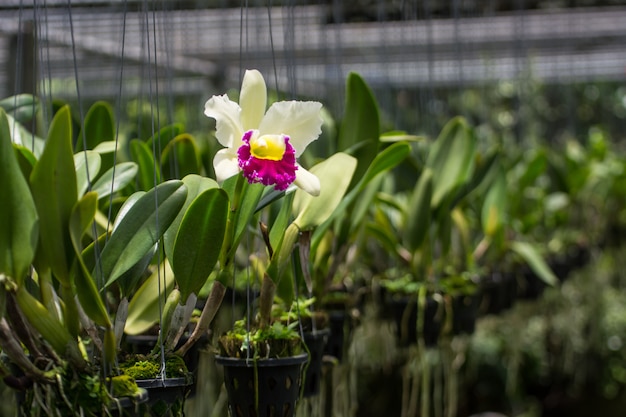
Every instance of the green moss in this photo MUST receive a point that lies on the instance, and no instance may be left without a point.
(124, 386)
(149, 367)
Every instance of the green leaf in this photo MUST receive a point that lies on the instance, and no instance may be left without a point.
(18, 216)
(335, 174)
(142, 155)
(141, 228)
(45, 322)
(144, 310)
(419, 211)
(245, 208)
(98, 127)
(86, 290)
(180, 157)
(162, 138)
(115, 179)
(195, 184)
(54, 187)
(451, 159)
(22, 107)
(535, 261)
(493, 214)
(386, 160)
(360, 124)
(399, 136)
(199, 240)
(87, 167)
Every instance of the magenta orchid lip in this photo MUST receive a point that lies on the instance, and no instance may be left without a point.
(276, 170)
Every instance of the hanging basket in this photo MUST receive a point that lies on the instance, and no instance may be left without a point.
(336, 340)
(129, 406)
(167, 395)
(263, 387)
(316, 343)
(405, 313)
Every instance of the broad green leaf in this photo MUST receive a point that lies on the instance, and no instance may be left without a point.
(419, 211)
(86, 290)
(22, 107)
(386, 160)
(244, 199)
(160, 140)
(116, 178)
(141, 228)
(87, 167)
(142, 155)
(399, 136)
(129, 279)
(335, 174)
(180, 157)
(26, 159)
(98, 127)
(106, 147)
(389, 158)
(281, 222)
(21, 136)
(51, 329)
(535, 261)
(18, 216)
(493, 214)
(195, 184)
(533, 165)
(54, 188)
(199, 240)
(144, 310)
(451, 159)
(360, 124)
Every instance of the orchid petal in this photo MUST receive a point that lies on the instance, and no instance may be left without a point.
(300, 120)
(227, 115)
(307, 181)
(225, 164)
(252, 99)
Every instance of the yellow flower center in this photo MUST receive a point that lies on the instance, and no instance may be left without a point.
(270, 147)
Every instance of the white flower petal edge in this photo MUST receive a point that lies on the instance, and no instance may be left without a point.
(307, 182)
(252, 99)
(300, 120)
(227, 115)
(225, 164)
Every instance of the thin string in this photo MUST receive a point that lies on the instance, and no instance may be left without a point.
(271, 33)
(18, 62)
(45, 74)
(117, 112)
(160, 276)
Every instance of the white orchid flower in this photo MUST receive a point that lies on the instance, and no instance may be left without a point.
(264, 145)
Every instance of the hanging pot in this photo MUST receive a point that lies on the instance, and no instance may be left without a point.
(405, 314)
(167, 395)
(499, 292)
(129, 406)
(262, 387)
(464, 311)
(315, 342)
(336, 339)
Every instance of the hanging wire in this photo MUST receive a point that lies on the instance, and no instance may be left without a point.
(18, 61)
(118, 111)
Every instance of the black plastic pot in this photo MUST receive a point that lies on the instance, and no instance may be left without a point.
(464, 313)
(336, 340)
(316, 343)
(129, 406)
(499, 292)
(264, 387)
(405, 314)
(167, 395)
